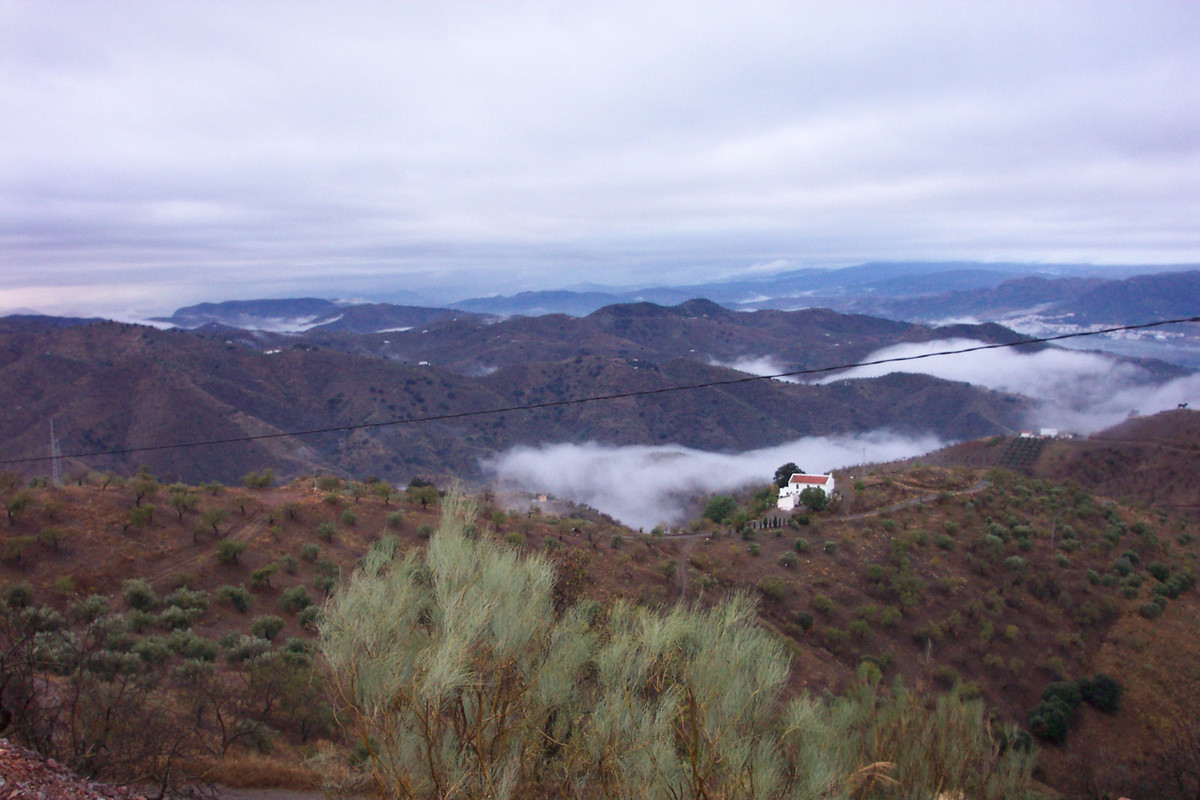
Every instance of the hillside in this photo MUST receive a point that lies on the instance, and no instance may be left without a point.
(111, 386)
(986, 579)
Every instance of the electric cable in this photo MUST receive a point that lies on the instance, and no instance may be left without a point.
(592, 398)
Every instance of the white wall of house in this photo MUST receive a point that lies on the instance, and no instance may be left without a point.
(789, 495)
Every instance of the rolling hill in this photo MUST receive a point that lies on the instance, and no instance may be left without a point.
(113, 386)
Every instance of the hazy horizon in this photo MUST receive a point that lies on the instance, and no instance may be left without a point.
(154, 154)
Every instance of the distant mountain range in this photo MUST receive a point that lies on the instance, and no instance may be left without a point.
(911, 292)
(245, 368)
(115, 386)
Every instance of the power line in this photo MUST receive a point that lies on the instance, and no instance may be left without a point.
(593, 398)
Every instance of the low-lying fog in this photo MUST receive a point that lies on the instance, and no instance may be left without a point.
(1077, 391)
(643, 486)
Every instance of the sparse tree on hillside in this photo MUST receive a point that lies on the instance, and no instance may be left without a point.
(143, 486)
(183, 501)
(785, 472)
(17, 505)
(212, 518)
(719, 508)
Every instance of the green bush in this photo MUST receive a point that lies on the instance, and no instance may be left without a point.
(309, 551)
(773, 588)
(801, 544)
(295, 599)
(788, 560)
(308, 617)
(325, 531)
(139, 594)
(267, 626)
(349, 517)
(830, 546)
(719, 508)
(184, 597)
(228, 550)
(261, 577)
(1159, 570)
(19, 595)
(1102, 692)
(236, 596)
(824, 604)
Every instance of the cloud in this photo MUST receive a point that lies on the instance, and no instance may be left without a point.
(643, 486)
(755, 365)
(1079, 391)
(252, 148)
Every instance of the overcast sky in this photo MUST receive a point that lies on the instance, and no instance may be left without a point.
(158, 153)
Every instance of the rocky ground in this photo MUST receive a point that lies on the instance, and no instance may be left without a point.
(25, 775)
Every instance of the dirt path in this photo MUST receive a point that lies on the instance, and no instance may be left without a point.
(929, 498)
(247, 532)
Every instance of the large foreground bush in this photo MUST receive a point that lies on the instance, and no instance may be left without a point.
(462, 681)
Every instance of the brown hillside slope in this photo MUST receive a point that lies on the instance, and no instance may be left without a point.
(938, 576)
(1147, 462)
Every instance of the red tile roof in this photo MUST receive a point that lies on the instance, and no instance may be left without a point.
(811, 480)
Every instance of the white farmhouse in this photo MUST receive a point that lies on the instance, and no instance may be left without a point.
(789, 496)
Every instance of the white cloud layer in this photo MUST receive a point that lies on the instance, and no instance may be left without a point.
(1078, 391)
(644, 486)
(173, 152)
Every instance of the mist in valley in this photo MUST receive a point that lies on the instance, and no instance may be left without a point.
(1076, 391)
(643, 486)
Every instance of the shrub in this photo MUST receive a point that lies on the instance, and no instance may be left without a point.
(719, 508)
(139, 594)
(325, 531)
(804, 620)
(753, 548)
(395, 519)
(290, 564)
(1159, 570)
(261, 577)
(830, 546)
(308, 617)
(228, 550)
(1154, 608)
(943, 541)
(267, 626)
(788, 560)
(1102, 692)
(295, 599)
(176, 618)
(19, 595)
(424, 531)
(309, 551)
(514, 539)
(348, 516)
(801, 544)
(946, 676)
(236, 596)
(824, 604)
(773, 588)
(184, 597)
